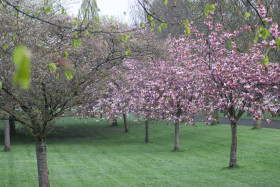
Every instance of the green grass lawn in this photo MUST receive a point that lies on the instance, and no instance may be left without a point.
(90, 154)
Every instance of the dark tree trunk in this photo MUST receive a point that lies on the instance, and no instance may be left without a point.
(232, 162)
(147, 140)
(41, 154)
(176, 137)
(216, 117)
(115, 122)
(125, 123)
(7, 135)
(257, 124)
(12, 126)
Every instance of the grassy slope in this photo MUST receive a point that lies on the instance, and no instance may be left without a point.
(94, 154)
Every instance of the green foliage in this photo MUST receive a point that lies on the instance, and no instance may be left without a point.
(186, 23)
(150, 17)
(5, 47)
(208, 9)
(52, 67)
(165, 2)
(0, 85)
(142, 25)
(265, 33)
(124, 38)
(68, 75)
(86, 32)
(63, 12)
(76, 34)
(128, 52)
(187, 31)
(247, 15)
(48, 9)
(159, 29)
(265, 61)
(278, 43)
(1, 5)
(153, 24)
(22, 58)
(76, 21)
(163, 25)
(65, 54)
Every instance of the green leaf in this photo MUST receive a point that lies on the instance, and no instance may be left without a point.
(52, 67)
(86, 32)
(278, 43)
(75, 43)
(76, 34)
(86, 10)
(159, 29)
(188, 31)
(153, 24)
(142, 25)
(68, 75)
(105, 43)
(247, 15)
(48, 9)
(256, 39)
(124, 38)
(261, 28)
(165, 2)
(22, 58)
(186, 23)
(5, 47)
(1, 5)
(163, 25)
(57, 76)
(266, 33)
(76, 22)
(0, 85)
(128, 52)
(265, 61)
(150, 17)
(65, 54)
(209, 8)
(63, 12)
(131, 37)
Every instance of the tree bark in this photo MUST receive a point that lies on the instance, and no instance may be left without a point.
(115, 122)
(232, 162)
(216, 117)
(41, 154)
(257, 124)
(176, 143)
(147, 140)
(7, 135)
(125, 123)
(13, 131)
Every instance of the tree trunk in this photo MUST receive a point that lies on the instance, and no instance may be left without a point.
(41, 154)
(12, 126)
(125, 123)
(147, 140)
(232, 162)
(176, 144)
(7, 135)
(216, 117)
(257, 124)
(115, 122)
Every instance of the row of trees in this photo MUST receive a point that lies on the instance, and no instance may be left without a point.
(102, 68)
